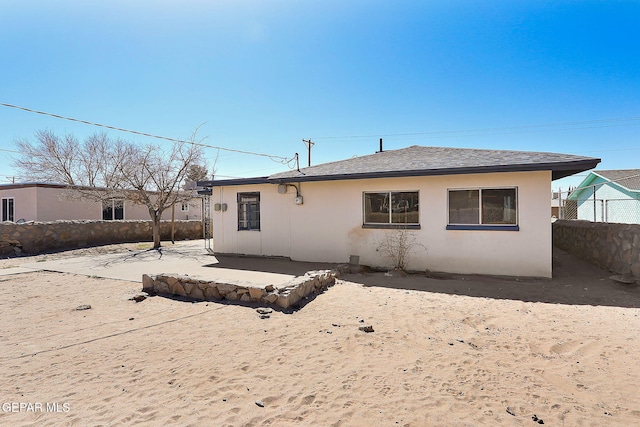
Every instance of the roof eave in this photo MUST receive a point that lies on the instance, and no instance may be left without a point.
(566, 169)
(235, 181)
(558, 170)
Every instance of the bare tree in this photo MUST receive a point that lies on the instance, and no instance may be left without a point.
(101, 169)
(157, 177)
(51, 159)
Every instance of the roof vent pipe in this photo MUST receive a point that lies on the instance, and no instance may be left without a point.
(380, 146)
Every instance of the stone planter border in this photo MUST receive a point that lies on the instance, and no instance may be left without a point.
(284, 295)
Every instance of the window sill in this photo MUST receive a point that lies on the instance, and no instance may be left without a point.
(248, 229)
(484, 227)
(393, 226)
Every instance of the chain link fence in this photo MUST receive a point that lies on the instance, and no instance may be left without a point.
(625, 211)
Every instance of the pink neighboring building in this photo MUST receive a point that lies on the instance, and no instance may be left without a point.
(50, 202)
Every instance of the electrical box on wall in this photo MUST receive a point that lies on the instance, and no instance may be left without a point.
(224, 207)
(282, 188)
(298, 200)
(217, 207)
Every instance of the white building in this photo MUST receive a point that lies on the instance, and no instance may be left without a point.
(473, 211)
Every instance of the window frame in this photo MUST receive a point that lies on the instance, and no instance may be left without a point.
(390, 224)
(241, 213)
(184, 207)
(480, 225)
(113, 209)
(8, 209)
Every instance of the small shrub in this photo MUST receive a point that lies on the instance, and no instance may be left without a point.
(397, 246)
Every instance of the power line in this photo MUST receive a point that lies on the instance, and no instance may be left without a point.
(584, 124)
(9, 151)
(279, 159)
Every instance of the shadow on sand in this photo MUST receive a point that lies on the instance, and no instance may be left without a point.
(574, 282)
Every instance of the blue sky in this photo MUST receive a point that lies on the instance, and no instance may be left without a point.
(261, 76)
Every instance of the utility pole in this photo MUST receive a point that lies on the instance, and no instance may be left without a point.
(308, 143)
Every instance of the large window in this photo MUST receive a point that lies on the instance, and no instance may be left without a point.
(7, 209)
(483, 208)
(391, 208)
(249, 211)
(112, 209)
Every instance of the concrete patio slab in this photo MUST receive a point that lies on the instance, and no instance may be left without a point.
(186, 269)
(186, 258)
(16, 270)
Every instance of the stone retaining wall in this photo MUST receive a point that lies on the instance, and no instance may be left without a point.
(615, 247)
(37, 237)
(284, 295)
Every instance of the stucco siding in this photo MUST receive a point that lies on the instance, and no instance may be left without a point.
(46, 203)
(24, 202)
(54, 204)
(328, 225)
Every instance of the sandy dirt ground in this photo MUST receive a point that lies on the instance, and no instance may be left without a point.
(454, 351)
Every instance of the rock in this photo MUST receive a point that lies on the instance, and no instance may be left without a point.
(536, 419)
(627, 280)
(264, 310)
(510, 412)
(147, 283)
(271, 298)
(188, 287)
(83, 307)
(196, 293)
(232, 296)
(245, 297)
(177, 289)
(260, 403)
(343, 269)
(265, 316)
(211, 292)
(225, 288)
(162, 288)
(269, 288)
(139, 297)
(283, 300)
(366, 328)
(256, 293)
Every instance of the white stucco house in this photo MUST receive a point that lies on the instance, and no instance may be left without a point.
(51, 202)
(475, 211)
